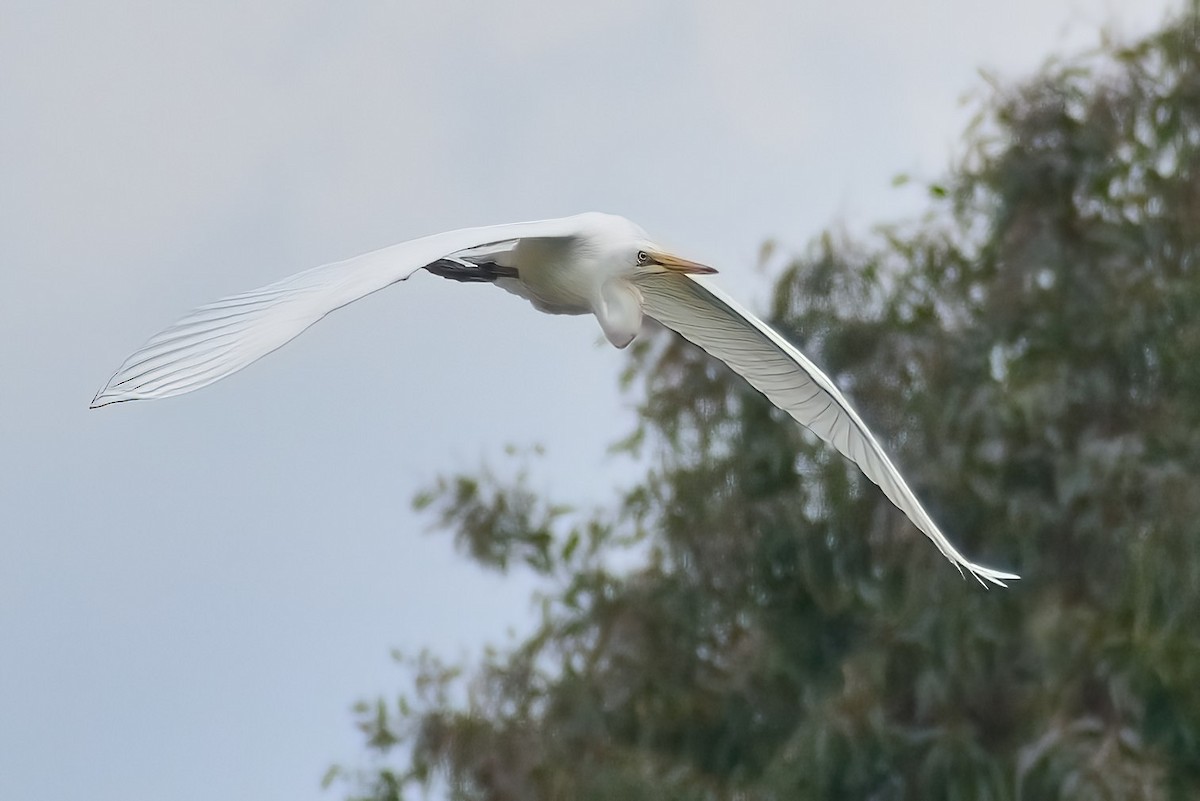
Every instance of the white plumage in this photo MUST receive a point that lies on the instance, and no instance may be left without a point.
(590, 263)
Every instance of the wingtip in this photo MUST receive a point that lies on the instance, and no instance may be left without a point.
(106, 397)
(997, 577)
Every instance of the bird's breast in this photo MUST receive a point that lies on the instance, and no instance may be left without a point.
(553, 277)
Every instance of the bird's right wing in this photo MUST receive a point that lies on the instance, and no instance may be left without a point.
(222, 337)
(693, 307)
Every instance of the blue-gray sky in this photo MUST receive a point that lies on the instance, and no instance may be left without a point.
(193, 592)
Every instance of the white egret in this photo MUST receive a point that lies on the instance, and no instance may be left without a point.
(592, 263)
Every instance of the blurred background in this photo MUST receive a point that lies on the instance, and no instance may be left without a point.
(193, 593)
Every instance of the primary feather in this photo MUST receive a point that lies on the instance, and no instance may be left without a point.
(702, 314)
(222, 337)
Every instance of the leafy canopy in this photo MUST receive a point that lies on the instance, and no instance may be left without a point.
(1030, 350)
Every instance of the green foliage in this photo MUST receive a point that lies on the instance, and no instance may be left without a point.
(1031, 346)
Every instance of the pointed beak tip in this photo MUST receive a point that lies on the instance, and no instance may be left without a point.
(678, 265)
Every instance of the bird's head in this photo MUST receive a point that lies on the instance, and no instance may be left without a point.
(621, 248)
(650, 259)
(618, 301)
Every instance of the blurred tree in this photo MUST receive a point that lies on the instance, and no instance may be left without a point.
(1033, 342)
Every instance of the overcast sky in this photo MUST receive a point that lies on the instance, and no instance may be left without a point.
(193, 592)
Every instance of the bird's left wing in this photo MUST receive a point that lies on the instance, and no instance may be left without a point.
(693, 307)
(222, 337)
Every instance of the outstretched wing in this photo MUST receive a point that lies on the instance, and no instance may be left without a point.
(222, 337)
(701, 313)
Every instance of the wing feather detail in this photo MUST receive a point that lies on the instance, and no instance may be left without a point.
(700, 312)
(222, 337)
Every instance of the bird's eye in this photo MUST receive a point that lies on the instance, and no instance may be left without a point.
(643, 257)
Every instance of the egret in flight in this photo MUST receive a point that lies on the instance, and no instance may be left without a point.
(592, 263)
